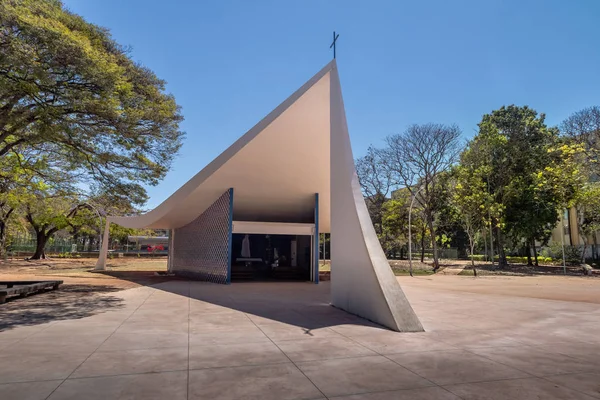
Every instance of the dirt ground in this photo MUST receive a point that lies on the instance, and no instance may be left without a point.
(565, 288)
(121, 273)
(79, 277)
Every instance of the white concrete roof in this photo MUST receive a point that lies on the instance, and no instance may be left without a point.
(275, 168)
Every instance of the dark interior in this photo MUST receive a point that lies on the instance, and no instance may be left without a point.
(270, 258)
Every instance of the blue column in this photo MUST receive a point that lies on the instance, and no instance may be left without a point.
(316, 266)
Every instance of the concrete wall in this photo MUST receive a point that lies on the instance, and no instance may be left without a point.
(362, 281)
(201, 249)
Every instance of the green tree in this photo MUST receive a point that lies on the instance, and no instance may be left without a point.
(472, 202)
(588, 211)
(68, 90)
(47, 213)
(527, 171)
(394, 222)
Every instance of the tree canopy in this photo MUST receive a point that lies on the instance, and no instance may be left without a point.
(68, 89)
(77, 117)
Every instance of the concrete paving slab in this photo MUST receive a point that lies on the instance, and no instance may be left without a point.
(123, 362)
(466, 339)
(159, 386)
(388, 342)
(247, 335)
(266, 382)
(455, 366)
(28, 390)
(38, 365)
(588, 383)
(428, 393)
(536, 361)
(264, 325)
(522, 389)
(280, 332)
(146, 340)
(66, 342)
(313, 349)
(344, 376)
(235, 354)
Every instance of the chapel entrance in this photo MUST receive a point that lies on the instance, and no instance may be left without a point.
(270, 251)
(265, 257)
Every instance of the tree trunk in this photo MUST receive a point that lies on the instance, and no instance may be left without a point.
(528, 254)
(3, 231)
(423, 243)
(485, 251)
(40, 244)
(500, 245)
(535, 256)
(2, 239)
(436, 263)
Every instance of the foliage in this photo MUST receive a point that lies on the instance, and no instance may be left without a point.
(80, 122)
(68, 90)
(583, 128)
(416, 158)
(528, 173)
(515, 259)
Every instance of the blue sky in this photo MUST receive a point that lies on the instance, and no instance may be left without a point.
(229, 63)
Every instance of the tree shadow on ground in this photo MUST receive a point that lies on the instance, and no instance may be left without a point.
(68, 302)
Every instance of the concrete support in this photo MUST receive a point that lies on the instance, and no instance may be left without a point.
(171, 250)
(101, 263)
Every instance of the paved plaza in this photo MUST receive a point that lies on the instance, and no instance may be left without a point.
(182, 340)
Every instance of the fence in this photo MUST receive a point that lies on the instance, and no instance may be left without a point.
(448, 253)
(56, 245)
(27, 244)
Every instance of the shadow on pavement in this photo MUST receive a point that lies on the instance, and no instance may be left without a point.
(68, 302)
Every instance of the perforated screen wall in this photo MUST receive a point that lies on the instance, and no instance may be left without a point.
(201, 248)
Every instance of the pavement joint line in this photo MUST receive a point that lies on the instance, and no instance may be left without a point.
(100, 345)
(525, 372)
(284, 353)
(382, 355)
(402, 366)
(511, 379)
(577, 390)
(149, 372)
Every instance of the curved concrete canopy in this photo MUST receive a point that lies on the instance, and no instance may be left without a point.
(276, 168)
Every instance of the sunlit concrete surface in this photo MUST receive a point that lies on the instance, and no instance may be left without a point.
(192, 340)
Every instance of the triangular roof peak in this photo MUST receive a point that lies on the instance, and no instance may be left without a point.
(275, 167)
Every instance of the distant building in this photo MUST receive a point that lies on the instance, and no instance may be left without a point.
(568, 226)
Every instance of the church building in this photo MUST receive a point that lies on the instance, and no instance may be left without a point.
(255, 212)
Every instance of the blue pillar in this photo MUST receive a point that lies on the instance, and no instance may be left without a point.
(316, 241)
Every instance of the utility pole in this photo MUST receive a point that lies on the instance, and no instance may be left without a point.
(412, 202)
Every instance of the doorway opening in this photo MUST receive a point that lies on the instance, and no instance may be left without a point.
(269, 257)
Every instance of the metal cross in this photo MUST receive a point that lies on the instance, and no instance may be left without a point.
(335, 37)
